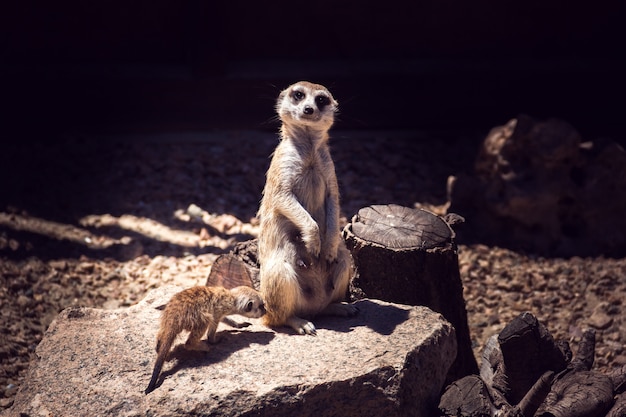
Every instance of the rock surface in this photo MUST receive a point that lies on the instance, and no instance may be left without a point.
(539, 187)
(389, 360)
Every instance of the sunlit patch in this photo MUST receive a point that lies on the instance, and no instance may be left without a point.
(220, 231)
(59, 231)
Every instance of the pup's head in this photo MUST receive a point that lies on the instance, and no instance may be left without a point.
(249, 302)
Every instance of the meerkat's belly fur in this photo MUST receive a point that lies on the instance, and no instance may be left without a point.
(305, 266)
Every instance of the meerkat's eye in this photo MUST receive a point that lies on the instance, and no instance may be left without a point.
(249, 306)
(322, 101)
(297, 95)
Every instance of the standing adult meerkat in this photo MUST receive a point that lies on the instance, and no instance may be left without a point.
(199, 310)
(305, 266)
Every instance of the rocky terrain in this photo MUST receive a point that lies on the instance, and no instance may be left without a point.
(98, 221)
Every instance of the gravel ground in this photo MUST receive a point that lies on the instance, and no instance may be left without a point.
(99, 221)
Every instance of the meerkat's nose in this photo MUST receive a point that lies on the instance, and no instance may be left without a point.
(308, 110)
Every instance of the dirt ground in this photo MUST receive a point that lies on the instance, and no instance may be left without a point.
(100, 220)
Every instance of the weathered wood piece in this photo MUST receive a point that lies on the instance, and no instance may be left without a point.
(578, 391)
(526, 373)
(618, 376)
(536, 395)
(585, 353)
(471, 397)
(409, 256)
(528, 350)
(619, 408)
(238, 267)
(467, 396)
(578, 394)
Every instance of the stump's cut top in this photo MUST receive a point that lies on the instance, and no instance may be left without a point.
(398, 227)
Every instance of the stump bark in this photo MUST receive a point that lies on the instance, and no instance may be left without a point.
(409, 256)
(525, 372)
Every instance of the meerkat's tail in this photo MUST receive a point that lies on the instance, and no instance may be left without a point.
(280, 289)
(163, 348)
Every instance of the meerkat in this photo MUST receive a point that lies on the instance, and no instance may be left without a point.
(199, 310)
(305, 267)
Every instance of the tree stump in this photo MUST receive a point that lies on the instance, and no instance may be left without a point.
(409, 256)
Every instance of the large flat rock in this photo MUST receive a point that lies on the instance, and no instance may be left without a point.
(389, 360)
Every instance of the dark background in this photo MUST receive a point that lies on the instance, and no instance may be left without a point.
(170, 65)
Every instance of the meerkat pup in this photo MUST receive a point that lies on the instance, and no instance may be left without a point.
(305, 266)
(199, 310)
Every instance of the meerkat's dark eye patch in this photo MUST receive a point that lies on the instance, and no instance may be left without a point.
(297, 95)
(249, 306)
(322, 101)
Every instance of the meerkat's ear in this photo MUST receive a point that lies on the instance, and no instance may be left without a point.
(280, 98)
(333, 102)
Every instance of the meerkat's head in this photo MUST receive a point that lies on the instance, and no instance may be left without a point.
(249, 302)
(307, 104)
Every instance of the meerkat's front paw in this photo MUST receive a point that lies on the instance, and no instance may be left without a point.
(302, 326)
(313, 243)
(330, 257)
(331, 253)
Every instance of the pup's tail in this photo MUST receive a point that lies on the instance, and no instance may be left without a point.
(163, 348)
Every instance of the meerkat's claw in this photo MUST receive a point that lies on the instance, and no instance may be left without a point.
(309, 329)
(302, 326)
